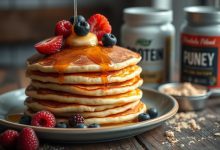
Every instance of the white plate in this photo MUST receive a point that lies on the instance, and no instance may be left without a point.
(12, 102)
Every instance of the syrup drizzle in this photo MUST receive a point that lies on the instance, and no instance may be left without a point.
(97, 54)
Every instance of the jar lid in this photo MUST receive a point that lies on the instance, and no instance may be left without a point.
(202, 14)
(147, 15)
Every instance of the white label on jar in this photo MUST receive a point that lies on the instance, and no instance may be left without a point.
(153, 61)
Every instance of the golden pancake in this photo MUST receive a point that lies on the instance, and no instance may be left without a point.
(85, 59)
(86, 78)
(123, 117)
(67, 110)
(45, 94)
(92, 90)
(36, 105)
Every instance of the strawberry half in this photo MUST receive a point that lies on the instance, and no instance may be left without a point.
(49, 46)
(99, 25)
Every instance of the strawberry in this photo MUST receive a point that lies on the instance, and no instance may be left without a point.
(43, 119)
(8, 139)
(50, 46)
(99, 25)
(27, 140)
(64, 28)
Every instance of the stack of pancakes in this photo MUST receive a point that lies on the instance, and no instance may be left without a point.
(97, 82)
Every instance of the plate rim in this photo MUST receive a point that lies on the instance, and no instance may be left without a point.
(142, 124)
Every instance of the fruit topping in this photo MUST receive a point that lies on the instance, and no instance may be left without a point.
(99, 25)
(61, 125)
(152, 112)
(94, 125)
(76, 119)
(64, 28)
(25, 120)
(82, 28)
(89, 40)
(109, 40)
(80, 125)
(78, 19)
(8, 139)
(143, 117)
(43, 119)
(27, 140)
(50, 46)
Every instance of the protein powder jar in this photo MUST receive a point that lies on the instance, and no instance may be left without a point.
(200, 46)
(149, 32)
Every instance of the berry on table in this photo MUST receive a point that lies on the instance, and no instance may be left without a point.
(76, 119)
(50, 46)
(61, 125)
(78, 19)
(99, 25)
(109, 40)
(80, 125)
(43, 119)
(28, 140)
(64, 28)
(94, 125)
(25, 120)
(8, 139)
(81, 28)
(152, 112)
(143, 117)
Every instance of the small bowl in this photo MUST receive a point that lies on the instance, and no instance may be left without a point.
(188, 103)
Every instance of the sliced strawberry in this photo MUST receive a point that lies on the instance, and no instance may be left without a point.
(99, 25)
(49, 46)
(64, 28)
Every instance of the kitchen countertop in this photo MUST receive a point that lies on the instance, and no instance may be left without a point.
(207, 136)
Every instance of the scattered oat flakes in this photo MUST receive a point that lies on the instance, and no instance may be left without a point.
(191, 142)
(217, 134)
(201, 119)
(210, 116)
(170, 137)
(194, 125)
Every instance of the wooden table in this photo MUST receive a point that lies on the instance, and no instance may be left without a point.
(205, 138)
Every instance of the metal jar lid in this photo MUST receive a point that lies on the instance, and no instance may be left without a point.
(146, 15)
(202, 14)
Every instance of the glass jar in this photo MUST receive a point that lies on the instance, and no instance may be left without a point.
(149, 32)
(200, 46)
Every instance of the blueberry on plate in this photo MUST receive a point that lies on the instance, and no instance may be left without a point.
(61, 125)
(109, 40)
(143, 117)
(78, 19)
(80, 125)
(152, 112)
(25, 120)
(82, 28)
(94, 125)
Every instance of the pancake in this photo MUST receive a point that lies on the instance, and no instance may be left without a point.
(45, 94)
(67, 110)
(84, 59)
(123, 117)
(37, 105)
(87, 78)
(92, 90)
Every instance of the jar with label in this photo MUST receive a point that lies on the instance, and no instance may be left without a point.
(149, 32)
(200, 46)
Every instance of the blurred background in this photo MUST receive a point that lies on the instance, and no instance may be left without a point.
(25, 22)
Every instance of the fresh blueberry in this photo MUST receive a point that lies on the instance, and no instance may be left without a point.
(82, 28)
(25, 120)
(152, 112)
(80, 125)
(61, 125)
(143, 117)
(78, 19)
(109, 40)
(94, 125)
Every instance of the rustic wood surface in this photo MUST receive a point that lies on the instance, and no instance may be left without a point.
(11, 79)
